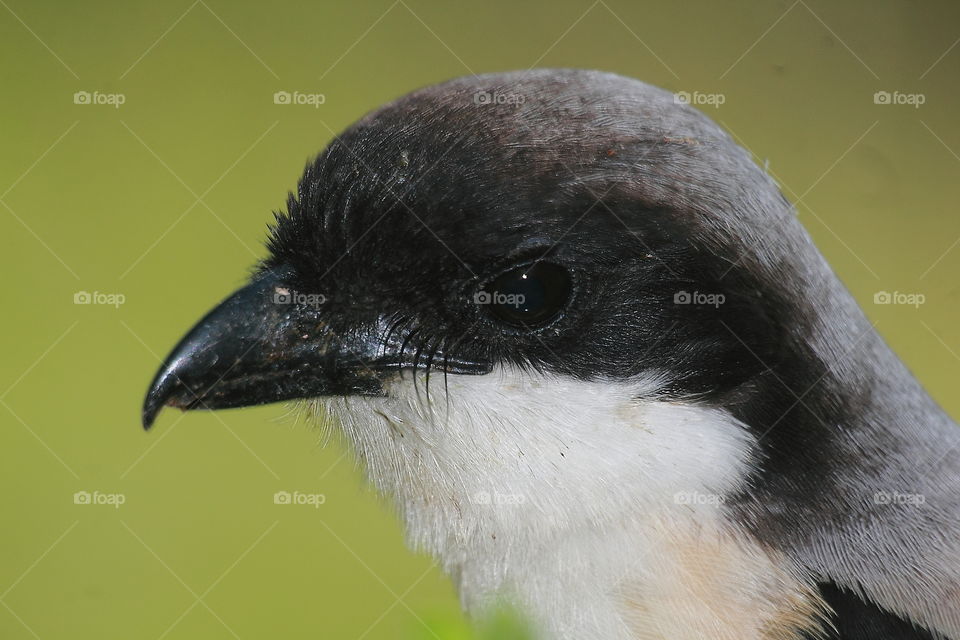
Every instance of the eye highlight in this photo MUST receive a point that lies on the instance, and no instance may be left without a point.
(528, 296)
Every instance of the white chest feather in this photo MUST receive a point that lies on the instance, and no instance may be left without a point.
(599, 514)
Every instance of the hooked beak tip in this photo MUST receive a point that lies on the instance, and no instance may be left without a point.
(151, 408)
(160, 394)
(147, 419)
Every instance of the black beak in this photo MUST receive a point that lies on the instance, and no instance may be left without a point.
(267, 343)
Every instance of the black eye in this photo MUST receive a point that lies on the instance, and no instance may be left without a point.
(530, 296)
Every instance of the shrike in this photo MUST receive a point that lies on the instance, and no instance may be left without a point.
(583, 343)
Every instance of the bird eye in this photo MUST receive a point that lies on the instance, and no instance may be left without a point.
(528, 296)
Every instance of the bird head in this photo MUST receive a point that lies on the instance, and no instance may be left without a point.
(578, 229)
(574, 223)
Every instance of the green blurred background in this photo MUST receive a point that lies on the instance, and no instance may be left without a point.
(165, 198)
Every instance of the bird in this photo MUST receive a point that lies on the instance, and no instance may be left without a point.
(582, 342)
